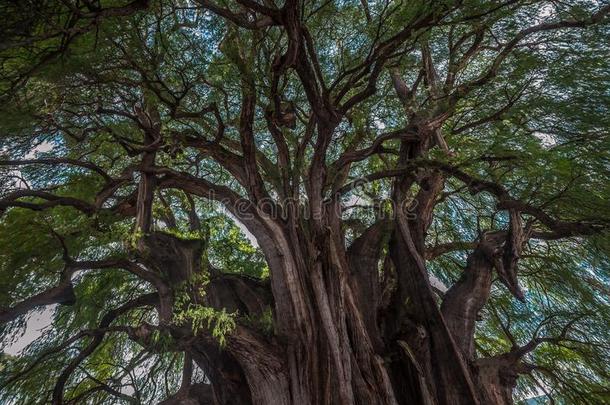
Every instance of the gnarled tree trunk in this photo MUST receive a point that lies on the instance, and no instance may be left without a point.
(354, 322)
(333, 341)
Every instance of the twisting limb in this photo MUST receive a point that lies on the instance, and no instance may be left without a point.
(97, 338)
(491, 72)
(463, 301)
(63, 293)
(49, 201)
(60, 348)
(559, 228)
(432, 252)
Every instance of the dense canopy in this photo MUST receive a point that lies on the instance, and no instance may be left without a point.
(305, 202)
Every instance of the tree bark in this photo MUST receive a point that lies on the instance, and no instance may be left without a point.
(328, 346)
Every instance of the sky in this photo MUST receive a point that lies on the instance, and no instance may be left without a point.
(37, 320)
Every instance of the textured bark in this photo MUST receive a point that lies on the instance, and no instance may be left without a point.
(330, 345)
(339, 354)
(498, 378)
(464, 300)
(196, 394)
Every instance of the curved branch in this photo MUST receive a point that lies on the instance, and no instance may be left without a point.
(55, 161)
(559, 228)
(432, 252)
(51, 200)
(464, 300)
(98, 337)
(61, 347)
(62, 294)
(492, 71)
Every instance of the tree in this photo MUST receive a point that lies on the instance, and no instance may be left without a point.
(306, 203)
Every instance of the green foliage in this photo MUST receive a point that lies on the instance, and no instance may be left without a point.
(188, 310)
(550, 147)
(231, 250)
(218, 322)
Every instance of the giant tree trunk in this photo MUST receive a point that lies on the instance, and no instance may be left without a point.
(335, 340)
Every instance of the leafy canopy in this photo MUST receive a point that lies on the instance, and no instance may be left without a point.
(73, 85)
